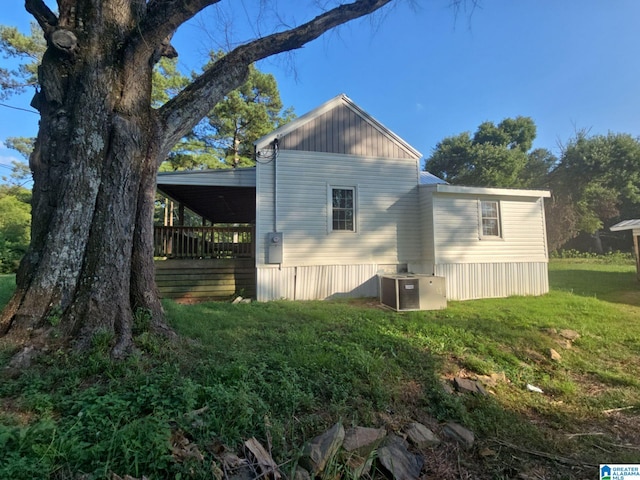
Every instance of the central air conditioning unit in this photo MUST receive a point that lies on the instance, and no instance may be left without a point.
(406, 292)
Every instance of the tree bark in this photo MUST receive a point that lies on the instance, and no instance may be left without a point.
(89, 268)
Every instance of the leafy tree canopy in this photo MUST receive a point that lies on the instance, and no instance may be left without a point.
(27, 50)
(224, 138)
(496, 155)
(14, 226)
(595, 184)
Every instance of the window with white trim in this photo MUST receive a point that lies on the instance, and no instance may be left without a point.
(343, 209)
(490, 213)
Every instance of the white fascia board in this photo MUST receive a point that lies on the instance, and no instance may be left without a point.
(505, 192)
(237, 177)
(633, 224)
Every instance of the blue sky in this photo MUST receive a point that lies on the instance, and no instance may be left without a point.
(427, 74)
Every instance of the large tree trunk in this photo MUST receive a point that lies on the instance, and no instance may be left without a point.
(94, 167)
(89, 267)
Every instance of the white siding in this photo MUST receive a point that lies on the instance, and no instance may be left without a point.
(457, 234)
(426, 218)
(317, 282)
(388, 227)
(264, 208)
(275, 283)
(466, 281)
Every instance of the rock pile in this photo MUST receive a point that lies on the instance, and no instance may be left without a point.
(356, 449)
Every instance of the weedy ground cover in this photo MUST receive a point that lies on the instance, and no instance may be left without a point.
(285, 371)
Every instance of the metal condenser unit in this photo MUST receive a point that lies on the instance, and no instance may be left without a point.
(405, 292)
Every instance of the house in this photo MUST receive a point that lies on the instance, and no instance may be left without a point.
(336, 199)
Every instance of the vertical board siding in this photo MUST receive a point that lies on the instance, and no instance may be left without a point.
(457, 230)
(467, 281)
(317, 282)
(275, 283)
(387, 223)
(343, 131)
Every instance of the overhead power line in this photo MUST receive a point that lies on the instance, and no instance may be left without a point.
(18, 108)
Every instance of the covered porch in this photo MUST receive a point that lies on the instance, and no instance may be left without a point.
(205, 247)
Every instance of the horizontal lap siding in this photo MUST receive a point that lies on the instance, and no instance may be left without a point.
(426, 217)
(205, 279)
(475, 268)
(341, 147)
(467, 281)
(264, 207)
(388, 228)
(457, 235)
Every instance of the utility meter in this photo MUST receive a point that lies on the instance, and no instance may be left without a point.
(274, 249)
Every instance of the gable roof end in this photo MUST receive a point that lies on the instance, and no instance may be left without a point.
(265, 141)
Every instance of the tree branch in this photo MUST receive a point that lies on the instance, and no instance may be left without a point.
(183, 112)
(43, 15)
(164, 17)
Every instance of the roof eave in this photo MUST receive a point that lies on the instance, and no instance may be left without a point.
(514, 192)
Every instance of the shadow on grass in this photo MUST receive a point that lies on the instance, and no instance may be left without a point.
(610, 286)
(317, 362)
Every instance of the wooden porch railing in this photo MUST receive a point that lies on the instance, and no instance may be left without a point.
(203, 242)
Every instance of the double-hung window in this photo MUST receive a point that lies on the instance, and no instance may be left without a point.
(490, 214)
(343, 209)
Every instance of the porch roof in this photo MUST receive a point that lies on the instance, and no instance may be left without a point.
(633, 224)
(220, 196)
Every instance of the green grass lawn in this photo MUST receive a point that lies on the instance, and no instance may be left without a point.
(286, 371)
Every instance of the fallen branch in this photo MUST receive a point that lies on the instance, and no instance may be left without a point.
(621, 445)
(621, 409)
(587, 434)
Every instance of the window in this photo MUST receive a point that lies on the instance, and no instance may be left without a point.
(490, 211)
(343, 209)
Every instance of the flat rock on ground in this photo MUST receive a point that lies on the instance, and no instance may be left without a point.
(359, 438)
(466, 385)
(460, 434)
(421, 436)
(318, 451)
(569, 334)
(398, 460)
(359, 445)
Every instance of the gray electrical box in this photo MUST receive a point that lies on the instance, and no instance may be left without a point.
(405, 292)
(274, 247)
